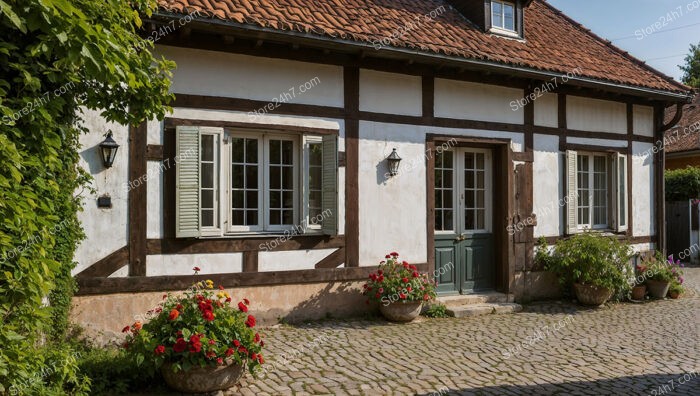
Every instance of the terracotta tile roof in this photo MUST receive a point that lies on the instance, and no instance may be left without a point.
(554, 42)
(685, 136)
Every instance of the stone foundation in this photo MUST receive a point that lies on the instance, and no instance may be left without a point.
(536, 285)
(104, 316)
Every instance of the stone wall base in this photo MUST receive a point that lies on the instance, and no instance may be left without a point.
(103, 316)
(536, 285)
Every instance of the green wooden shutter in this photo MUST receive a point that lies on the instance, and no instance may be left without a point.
(187, 183)
(330, 185)
(571, 192)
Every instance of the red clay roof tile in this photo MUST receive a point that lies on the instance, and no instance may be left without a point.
(554, 42)
(685, 136)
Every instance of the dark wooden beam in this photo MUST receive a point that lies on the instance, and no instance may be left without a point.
(659, 183)
(351, 78)
(108, 265)
(137, 200)
(235, 245)
(428, 98)
(154, 152)
(250, 261)
(630, 162)
(174, 122)
(333, 260)
(430, 200)
(92, 286)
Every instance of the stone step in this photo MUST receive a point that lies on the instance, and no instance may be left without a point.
(464, 311)
(479, 298)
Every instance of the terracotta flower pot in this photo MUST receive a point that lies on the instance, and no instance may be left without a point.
(674, 294)
(592, 295)
(401, 311)
(203, 379)
(638, 292)
(658, 289)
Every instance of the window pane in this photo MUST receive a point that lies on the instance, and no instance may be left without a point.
(315, 199)
(447, 200)
(275, 151)
(207, 175)
(237, 148)
(469, 220)
(251, 151)
(316, 154)
(238, 217)
(251, 177)
(208, 148)
(447, 178)
(287, 152)
(237, 180)
(288, 199)
(438, 220)
(468, 179)
(288, 217)
(508, 17)
(251, 198)
(238, 200)
(275, 178)
(622, 172)
(275, 199)
(449, 220)
(207, 199)
(480, 219)
(497, 14)
(288, 177)
(252, 217)
(208, 218)
(480, 179)
(275, 217)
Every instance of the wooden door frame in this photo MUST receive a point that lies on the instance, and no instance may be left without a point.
(502, 208)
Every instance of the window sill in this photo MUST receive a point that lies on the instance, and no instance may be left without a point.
(271, 234)
(511, 34)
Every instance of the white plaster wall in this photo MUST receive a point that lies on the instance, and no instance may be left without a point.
(549, 190)
(547, 110)
(603, 143)
(154, 201)
(213, 73)
(182, 264)
(643, 247)
(586, 114)
(106, 229)
(642, 190)
(465, 100)
(390, 93)
(643, 120)
(291, 260)
(155, 132)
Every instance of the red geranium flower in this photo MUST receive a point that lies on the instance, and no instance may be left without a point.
(212, 342)
(402, 296)
(387, 256)
(136, 327)
(416, 274)
(426, 297)
(257, 338)
(179, 307)
(196, 269)
(180, 345)
(394, 254)
(219, 361)
(160, 349)
(245, 300)
(173, 314)
(221, 287)
(126, 329)
(250, 322)
(228, 299)
(242, 307)
(236, 343)
(229, 352)
(404, 280)
(208, 316)
(211, 355)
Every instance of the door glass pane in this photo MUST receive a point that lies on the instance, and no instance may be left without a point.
(444, 214)
(475, 191)
(583, 191)
(244, 181)
(600, 190)
(622, 190)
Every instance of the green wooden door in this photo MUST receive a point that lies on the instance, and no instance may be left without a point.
(464, 242)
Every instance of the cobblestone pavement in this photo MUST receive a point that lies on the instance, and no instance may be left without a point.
(622, 349)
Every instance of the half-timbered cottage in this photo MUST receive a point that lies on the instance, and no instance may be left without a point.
(272, 174)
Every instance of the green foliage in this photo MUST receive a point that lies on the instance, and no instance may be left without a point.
(437, 311)
(57, 374)
(682, 184)
(591, 258)
(112, 371)
(197, 329)
(398, 281)
(691, 68)
(56, 56)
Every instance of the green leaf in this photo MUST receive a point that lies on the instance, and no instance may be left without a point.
(14, 18)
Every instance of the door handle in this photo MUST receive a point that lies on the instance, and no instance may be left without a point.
(460, 238)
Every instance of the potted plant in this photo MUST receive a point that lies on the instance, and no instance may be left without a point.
(594, 264)
(676, 289)
(198, 340)
(639, 288)
(399, 288)
(660, 273)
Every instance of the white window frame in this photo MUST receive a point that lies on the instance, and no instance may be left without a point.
(219, 181)
(502, 28)
(591, 183)
(305, 175)
(295, 183)
(226, 174)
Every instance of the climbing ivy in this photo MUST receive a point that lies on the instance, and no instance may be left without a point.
(57, 57)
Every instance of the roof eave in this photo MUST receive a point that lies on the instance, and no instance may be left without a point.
(524, 72)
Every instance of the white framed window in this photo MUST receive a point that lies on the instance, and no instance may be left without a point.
(597, 191)
(243, 182)
(503, 15)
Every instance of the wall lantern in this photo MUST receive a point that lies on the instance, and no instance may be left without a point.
(108, 148)
(394, 160)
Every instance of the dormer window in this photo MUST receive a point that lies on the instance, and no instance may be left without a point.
(503, 15)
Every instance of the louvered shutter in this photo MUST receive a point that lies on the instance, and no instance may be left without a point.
(330, 185)
(571, 192)
(187, 211)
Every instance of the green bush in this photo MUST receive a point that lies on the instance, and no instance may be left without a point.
(111, 372)
(682, 184)
(590, 258)
(57, 57)
(437, 311)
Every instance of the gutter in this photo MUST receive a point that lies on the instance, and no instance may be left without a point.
(458, 62)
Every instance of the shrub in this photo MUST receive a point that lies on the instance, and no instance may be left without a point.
(682, 184)
(112, 371)
(398, 281)
(658, 268)
(593, 259)
(197, 329)
(437, 311)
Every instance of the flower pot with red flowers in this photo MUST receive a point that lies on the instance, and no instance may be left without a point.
(399, 288)
(198, 340)
(660, 274)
